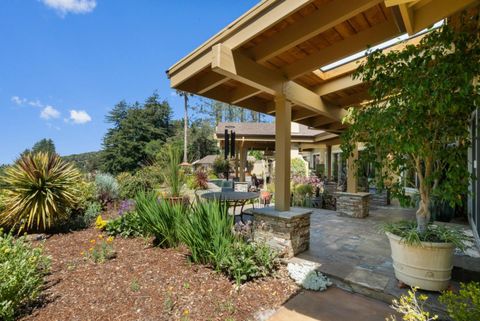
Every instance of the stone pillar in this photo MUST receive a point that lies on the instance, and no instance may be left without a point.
(243, 162)
(353, 204)
(329, 162)
(283, 117)
(352, 184)
(287, 232)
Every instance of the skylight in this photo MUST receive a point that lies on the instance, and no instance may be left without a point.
(381, 46)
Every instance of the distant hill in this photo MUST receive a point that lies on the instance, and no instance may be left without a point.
(86, 162)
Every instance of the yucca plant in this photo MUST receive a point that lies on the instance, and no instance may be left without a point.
(39, 189)
(159, 218)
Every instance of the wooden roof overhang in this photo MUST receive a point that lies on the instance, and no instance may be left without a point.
(278, 48)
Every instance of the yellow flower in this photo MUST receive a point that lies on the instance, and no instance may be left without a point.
(92, 241)
(100, 223)
(110, 239)
(186, 312)
(91, 249)
(100, 236)
(82, 253)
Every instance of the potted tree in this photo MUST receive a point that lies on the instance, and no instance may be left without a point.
(422, 99)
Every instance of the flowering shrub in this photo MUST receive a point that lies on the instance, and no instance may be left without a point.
(315, 182)
(411, 307)
(102, 250)
(22, 269)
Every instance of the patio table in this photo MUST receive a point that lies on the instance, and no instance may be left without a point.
(233, 199)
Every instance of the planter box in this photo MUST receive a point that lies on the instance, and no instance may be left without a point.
(353, 204)
(427, 266)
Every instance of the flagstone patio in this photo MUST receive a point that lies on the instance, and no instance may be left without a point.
(356, 255)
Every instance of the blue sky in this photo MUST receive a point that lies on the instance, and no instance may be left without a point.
(65, 63)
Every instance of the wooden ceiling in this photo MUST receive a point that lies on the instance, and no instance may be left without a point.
(278, 48)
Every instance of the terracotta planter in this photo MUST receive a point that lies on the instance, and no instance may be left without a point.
(183, 200)
(427, 266)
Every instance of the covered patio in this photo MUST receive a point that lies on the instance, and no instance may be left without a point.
(294, 60)
(284, 58)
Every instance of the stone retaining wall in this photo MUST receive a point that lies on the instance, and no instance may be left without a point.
(353, 204)
(287, 232)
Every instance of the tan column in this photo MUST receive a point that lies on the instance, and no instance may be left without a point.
(237, 167)
(352, 186)
(243, 162)
(283, 118)
(329, 162)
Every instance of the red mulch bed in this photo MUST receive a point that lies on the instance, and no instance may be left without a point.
(146, 283)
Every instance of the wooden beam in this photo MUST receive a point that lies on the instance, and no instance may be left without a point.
(301, 114)
(317, 122)
(238, 67)
(242, 69)
(350, 45)
(306, 98)
(437, 10)
(337, 84)
(407, 16)
(353, 99)
(251, 24)
(391, 3)
(326, 17)
(242, 93)
(204, 83)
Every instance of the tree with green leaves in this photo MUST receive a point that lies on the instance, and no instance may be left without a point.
(422, 101)
(126, 144)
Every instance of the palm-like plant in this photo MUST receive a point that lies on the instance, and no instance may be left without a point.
(39, 190)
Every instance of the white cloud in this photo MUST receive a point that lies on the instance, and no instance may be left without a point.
(64, 7)
(80, 116)
(35, 103)
(49, 112)
(18, 100)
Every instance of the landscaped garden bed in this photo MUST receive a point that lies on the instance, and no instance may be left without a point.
(144, 282)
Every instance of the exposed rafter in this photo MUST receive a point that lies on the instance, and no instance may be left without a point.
(240, 68)
(337, 84)
(328, 16)
(342, 49)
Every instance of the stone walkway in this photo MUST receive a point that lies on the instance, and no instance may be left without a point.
(332, 305)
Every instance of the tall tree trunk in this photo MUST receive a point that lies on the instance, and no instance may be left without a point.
(185, 129)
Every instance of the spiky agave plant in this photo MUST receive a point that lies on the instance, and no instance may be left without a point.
(39, 189)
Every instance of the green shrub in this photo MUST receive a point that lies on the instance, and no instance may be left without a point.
(464, 305)
(22, 268)
(127, 225)
(107, 188)
(221, 166)
(320, 170)
(159, 218)
(298, 167)
(409, 233)
(81, 220)
(301, 193)
(248, 261)
(144, 180)
(87, 194)
(208, 232)
(40, 191)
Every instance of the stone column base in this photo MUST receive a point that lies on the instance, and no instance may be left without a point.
(353, 204)
(287, 232)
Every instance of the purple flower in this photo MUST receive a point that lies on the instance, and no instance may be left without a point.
(126, 206)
